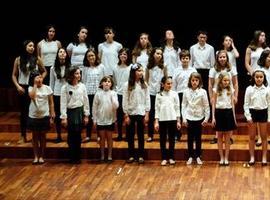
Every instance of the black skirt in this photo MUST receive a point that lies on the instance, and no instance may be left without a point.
(224, 120)
(105, 127)
(259, 115)
(38, 124)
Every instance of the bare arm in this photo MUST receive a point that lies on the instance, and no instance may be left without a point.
(15, 73)
(59, 45)
(211, 82)
(214, 108)
(41, 67)
(235, 51)
(51, 106)
(39, 49)
(247, 61)
(235, 86)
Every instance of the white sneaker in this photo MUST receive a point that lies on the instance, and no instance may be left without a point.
(189, 162)
(172, 162)
(163, 163)
(199, 161)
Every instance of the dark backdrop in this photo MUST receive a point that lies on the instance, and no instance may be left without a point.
(30, 20)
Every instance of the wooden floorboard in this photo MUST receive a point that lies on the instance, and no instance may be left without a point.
(89, 180)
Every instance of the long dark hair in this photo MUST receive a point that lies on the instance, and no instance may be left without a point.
(28, 61)
(132, 77)
(70, 74)
(57, 64)
(162, 82)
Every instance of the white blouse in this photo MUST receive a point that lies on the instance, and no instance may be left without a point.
(39, 107)
(137, 101)
(73, 97)
(257, 98)
(195, 105)
(167, 106)
(105, 105)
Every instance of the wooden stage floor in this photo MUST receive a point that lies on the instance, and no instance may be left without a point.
(57, 179)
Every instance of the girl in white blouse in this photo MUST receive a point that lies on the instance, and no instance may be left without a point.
(167, 118)
(57, 79)
(136, 106)
(74, 111)
(257, 112)
(195, 114)
(105, 105)
(154, 72)
(223, 115)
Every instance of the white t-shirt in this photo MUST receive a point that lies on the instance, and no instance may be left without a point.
(39, 107)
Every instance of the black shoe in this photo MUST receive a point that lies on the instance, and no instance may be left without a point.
(110, 160)
(258, 144)
(264, 164)
(58, 140)
(118, 139)
(231, 140)
(268, 141)
(251, 163)
(213, 141)
(76, 162)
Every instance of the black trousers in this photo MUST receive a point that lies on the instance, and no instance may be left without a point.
(90, 122)
(57, 120)
(140, 134)
(74, 142)
(120, 116)
(151, 116)
(24, 102)
(167, 128)
(194, 130)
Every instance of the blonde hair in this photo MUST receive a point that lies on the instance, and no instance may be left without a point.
(220, 87)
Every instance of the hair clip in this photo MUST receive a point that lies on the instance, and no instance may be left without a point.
(135, 66)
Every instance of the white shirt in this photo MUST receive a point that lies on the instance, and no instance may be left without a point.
(121, 75)
(137, 101)
(91, 77)
(39, 107)
(257, 98)
(105, 105)
(109, 55)
(213, 73)
(56, 83)
(48, 51)
(73, 97)
(171, 59)
(143, 59)
(77, 54)
(232, 59)
(224, 101)
(23, 78)
(167, 106)
(155, 76)
(254, 57)
(202, 57)
(267, 74)
(181, 77)
(195, 105)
